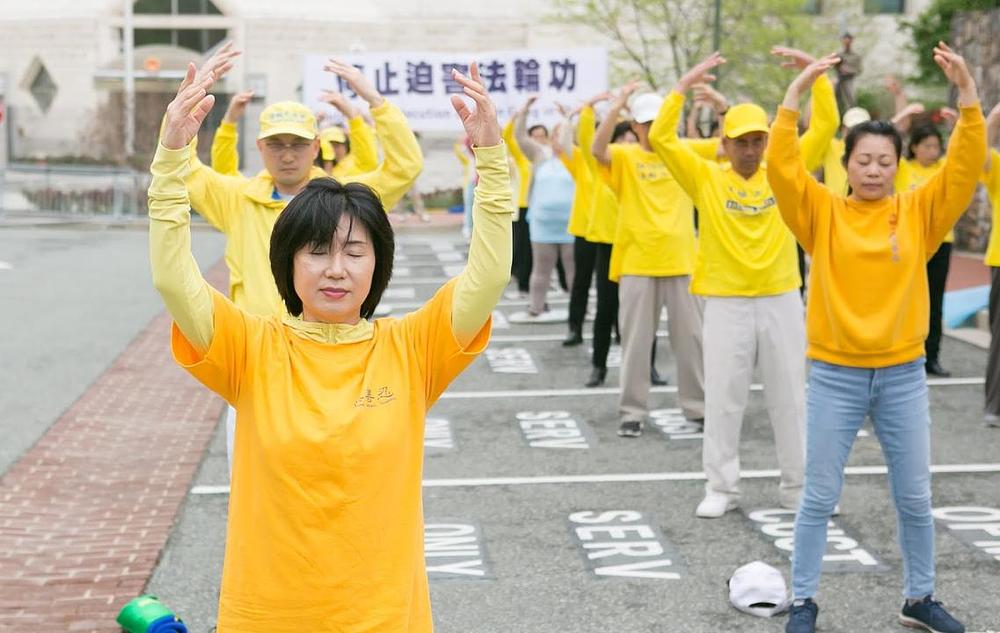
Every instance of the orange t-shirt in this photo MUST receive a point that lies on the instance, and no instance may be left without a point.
(325, 528)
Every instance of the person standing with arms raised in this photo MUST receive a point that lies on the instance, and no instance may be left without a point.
(325, 528)
(866, 324)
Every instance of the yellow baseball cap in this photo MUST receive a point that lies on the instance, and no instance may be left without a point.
(744, 118)
(287, 117)
(327, 138)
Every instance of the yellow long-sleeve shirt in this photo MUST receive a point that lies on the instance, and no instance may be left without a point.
(245, 209)
(991, 180)
(910, 174)
(188, 296)
(868, 302)
(225, 158)
(744, 248)
(521, 162)
(603, 201)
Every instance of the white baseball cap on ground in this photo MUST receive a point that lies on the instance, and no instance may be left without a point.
(759, 589)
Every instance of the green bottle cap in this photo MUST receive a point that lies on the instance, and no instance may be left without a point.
(137, 615)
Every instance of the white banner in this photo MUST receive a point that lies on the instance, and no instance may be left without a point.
(420, 83)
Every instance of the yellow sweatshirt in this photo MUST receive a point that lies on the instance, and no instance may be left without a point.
(744, 248)
(603, 201)
(521, 162)
(868, 301)
(991, 180)
(245, 210)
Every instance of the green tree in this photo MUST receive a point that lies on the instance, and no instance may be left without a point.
(658, 40)
(933, 26)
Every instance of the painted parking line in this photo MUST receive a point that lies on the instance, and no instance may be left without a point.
(480, 482)
(545, 338)
(603, 391)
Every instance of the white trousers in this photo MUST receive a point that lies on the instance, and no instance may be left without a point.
(741, 332)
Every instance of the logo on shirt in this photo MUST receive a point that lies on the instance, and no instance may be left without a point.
(369, 400)
(750, 209)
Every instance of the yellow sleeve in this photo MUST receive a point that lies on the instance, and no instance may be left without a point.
(225, 158)
(215, 197)
(822, 126)
(363, 145)
(520, 161)
(460, 154)
(795, 190)
(707, 148)
(567, 162)
(403, 159)
(991, 177)
(176, 276)
(482, 282)
(585, 128)
(688, 168)
(946, 195)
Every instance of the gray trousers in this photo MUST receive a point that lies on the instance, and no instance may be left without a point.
(543, 262)
(640, 302)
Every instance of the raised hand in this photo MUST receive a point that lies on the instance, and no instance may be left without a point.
(188, 110)
(237, 106)
(893, 85)
(599, 97)
(480, 123)
(793, 57)
(626, 91)
(700, 73)
(954, 68)
(356, 80)
(340, 101)
(806, 79)
(708, 95)
(220, 63)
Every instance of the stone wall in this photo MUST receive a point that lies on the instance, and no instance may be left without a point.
(975, 35)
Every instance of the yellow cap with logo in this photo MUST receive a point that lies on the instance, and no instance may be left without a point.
(744, 118)
(287, 117)
(327, 137)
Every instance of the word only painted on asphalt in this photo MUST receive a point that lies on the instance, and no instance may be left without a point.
(554, 429)
(624, 544)
(500, 321)
(976, 526)
(843, 554)
(438, 435)
(454, 550)
(510, 360)
(673, 424)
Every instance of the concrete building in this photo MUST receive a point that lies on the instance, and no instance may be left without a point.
(61, 64)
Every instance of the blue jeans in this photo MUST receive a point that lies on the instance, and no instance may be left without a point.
(839, 398)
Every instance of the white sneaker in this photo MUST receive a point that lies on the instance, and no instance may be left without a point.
(515, 295)
(714, 505)
(992, 420)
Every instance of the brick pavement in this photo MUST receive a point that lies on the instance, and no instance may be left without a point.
(967, 270)
(85, 514)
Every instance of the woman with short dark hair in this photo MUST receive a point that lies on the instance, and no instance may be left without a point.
(866, 323)
(325, 529)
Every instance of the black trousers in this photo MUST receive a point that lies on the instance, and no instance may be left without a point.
(937, 275)
(520, 266)
(993, 360)
(584, 257)
(607, 306)
(802, 267)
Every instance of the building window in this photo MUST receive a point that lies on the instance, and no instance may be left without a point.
(41, 86)
(885, 6)
(176, 7)
(200, 40)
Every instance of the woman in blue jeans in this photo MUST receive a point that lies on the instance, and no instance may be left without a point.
(866, 324)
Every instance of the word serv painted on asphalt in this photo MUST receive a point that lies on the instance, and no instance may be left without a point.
(454, 550)
(976, 526)
(624, 544)
(844, 553)
(438, 434)
(553, 429)
(420, 82)
(673, 425)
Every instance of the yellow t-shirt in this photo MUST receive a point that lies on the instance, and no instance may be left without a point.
(603, 202)
(744, 247)
(834, 173)
(911, 174)
(363, 156)
(991, 180)
(655, 232)
(868, 300)
(325, 529)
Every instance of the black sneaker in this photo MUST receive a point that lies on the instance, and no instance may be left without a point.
(929, 615)
(934, 368)
(597, 376)
(573, 338)
(656, 379)
(630, 428)
(802, 618)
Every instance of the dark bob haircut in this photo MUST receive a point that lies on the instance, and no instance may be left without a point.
(877, 128)
(538, 126)
(920, 133)
(621, 128)
(312, 218)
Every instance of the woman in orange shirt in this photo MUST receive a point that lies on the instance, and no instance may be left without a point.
(866, 324)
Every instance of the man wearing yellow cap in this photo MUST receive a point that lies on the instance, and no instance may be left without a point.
(245, 209)
(747, 271)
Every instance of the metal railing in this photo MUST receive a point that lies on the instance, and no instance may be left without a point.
(72, 190)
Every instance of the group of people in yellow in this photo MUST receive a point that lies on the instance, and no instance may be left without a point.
(330, 402)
